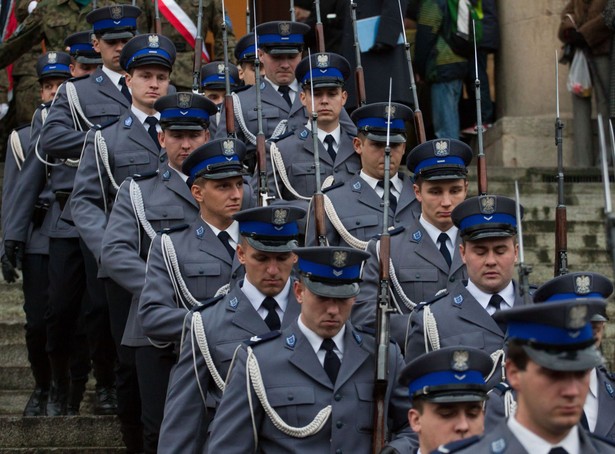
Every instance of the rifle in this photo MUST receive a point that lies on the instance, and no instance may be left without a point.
(318, 198)
(482, 161)
(260, 135)
(419, 124)
(228, 96)
(247, 16)
(609, 217)
(157, 25)
(320, 34)
(383, 309)
(198, 45)
(359, 75)
(523, 269)
(561, 247)
(293, 18)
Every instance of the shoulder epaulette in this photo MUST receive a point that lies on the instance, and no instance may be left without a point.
(501, 388)
(458, 445)
(392, 232)
(255, 340)
(606, 440)
(144, 176)
(174, 228)
(333, 186)
(278, 138)
(365, 329)
(208, 303)
(106, 124)
(242, 88)
(438, 296)
(72, 79)
(22, 126)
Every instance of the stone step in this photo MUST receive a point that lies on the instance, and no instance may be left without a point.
(63, 434)
(17, 377)
(12, 402)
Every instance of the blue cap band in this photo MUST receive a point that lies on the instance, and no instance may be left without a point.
(269, 229)
(247, 51)
(327, 73)
(573, 296)
(149, 51)
(447, 160)
(377, 122)
(55, 68)
(266, 40)
(326, 271)
(496, 218)
(548, 334)
(108, 24)
(216, 78)
(81, 46)
(214, 160)
(184, 113)
(446, 377)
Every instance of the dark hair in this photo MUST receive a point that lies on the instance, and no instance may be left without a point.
(517, 355)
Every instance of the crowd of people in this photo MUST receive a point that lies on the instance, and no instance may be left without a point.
(222, 262)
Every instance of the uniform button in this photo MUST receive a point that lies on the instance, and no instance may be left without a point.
(201, 272)
(417, 275)
(234, 276)
(451, 279)
(338, 397)
(132, 159)
(336, 170)
(291, 397)
(338, 451)
(358, 222)
(164, 215)
(161, 158)
(339, 424)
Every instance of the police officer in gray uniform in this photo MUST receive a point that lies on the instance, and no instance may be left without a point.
(146, 204)
(292, 176)
(422, 261)
(189, 265)
(463, 314)
(358, 203)
(317, 374)
(600, 403)
(551, 353)
(263, 301)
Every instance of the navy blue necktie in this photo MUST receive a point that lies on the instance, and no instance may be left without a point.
(125, 91)
(272, 319)
(152, 131)
(332, 362)
(225, 239)
(285, 90)
(392, 198)
(444, 249)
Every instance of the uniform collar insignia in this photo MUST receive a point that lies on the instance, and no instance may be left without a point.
(291, 341)
(200, 232)
(609, 389)
(357, 337)
(128, 121)
(166, 175)
(233, 303)
(416, 236)
(498, 446)
(356, 186)
(458, 300)
(99, 79)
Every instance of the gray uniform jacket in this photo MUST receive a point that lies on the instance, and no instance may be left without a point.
(361, 211)
(130, 150)
(502, 441)
(420, 269)
(205, 266)
(167, 202)
(298, 388)
(227, 323)
(461, 320)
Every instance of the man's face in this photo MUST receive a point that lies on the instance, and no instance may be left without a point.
(328, 102)
(180, 143)
(219, 200)
(215, 96)
(110, 51)
(78, 69)
(267, 271)
(438, 199)
(490, 262)
(372, 156)
(279, 68)
(323, 315)
(147, 84)
(438, 424)
(598, 332)
(549, 402)
(49, 87)
(246, 73)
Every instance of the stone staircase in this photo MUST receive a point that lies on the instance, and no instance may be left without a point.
(100, 434)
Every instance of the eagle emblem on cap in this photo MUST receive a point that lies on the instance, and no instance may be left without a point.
(153, 41)
(116, 12)
(228, 147)
(577, 316)
(487, 204)
(52, 57)
(582, 285)
(220, 68)
(284, 28)
(389, 111)
(184, 100)
(460, 360)
(280, 216)
(322, 60)
(340, 258)
(441, 148)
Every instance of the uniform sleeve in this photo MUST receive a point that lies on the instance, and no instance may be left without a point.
(160, 317)
(416, 341)
(231, 430)
(29, 32)
(399, 402)
(364, 309)
(9, 180)
(87, 202)
(120, 250)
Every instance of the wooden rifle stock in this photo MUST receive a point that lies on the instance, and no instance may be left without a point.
(196, 72)
(318, 201)
(229, 112)
(320, 37)
(262, 170)
(561, 246)
(419, 126)
(360, 81)
(482, 174)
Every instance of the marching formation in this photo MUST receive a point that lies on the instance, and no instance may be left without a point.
(239, 257)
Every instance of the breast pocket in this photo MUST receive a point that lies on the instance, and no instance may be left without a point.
(161, 217)
(271, 117)
(419, 284)
(363, 227)
(365, 410)
(101, 113)
(129, 163)
(302, 176)
(294, 404)
(474, 339)
(202, 278)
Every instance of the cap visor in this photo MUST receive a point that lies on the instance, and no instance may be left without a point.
(282, 50)
(575, 360)
(487, 234)
(55, 75)
(151, 60)
(107, 36)
(454, 397)
(183, 126)
(393, 138)
(332, 290)
(223, 175)
(272, 246)
(89, 60)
